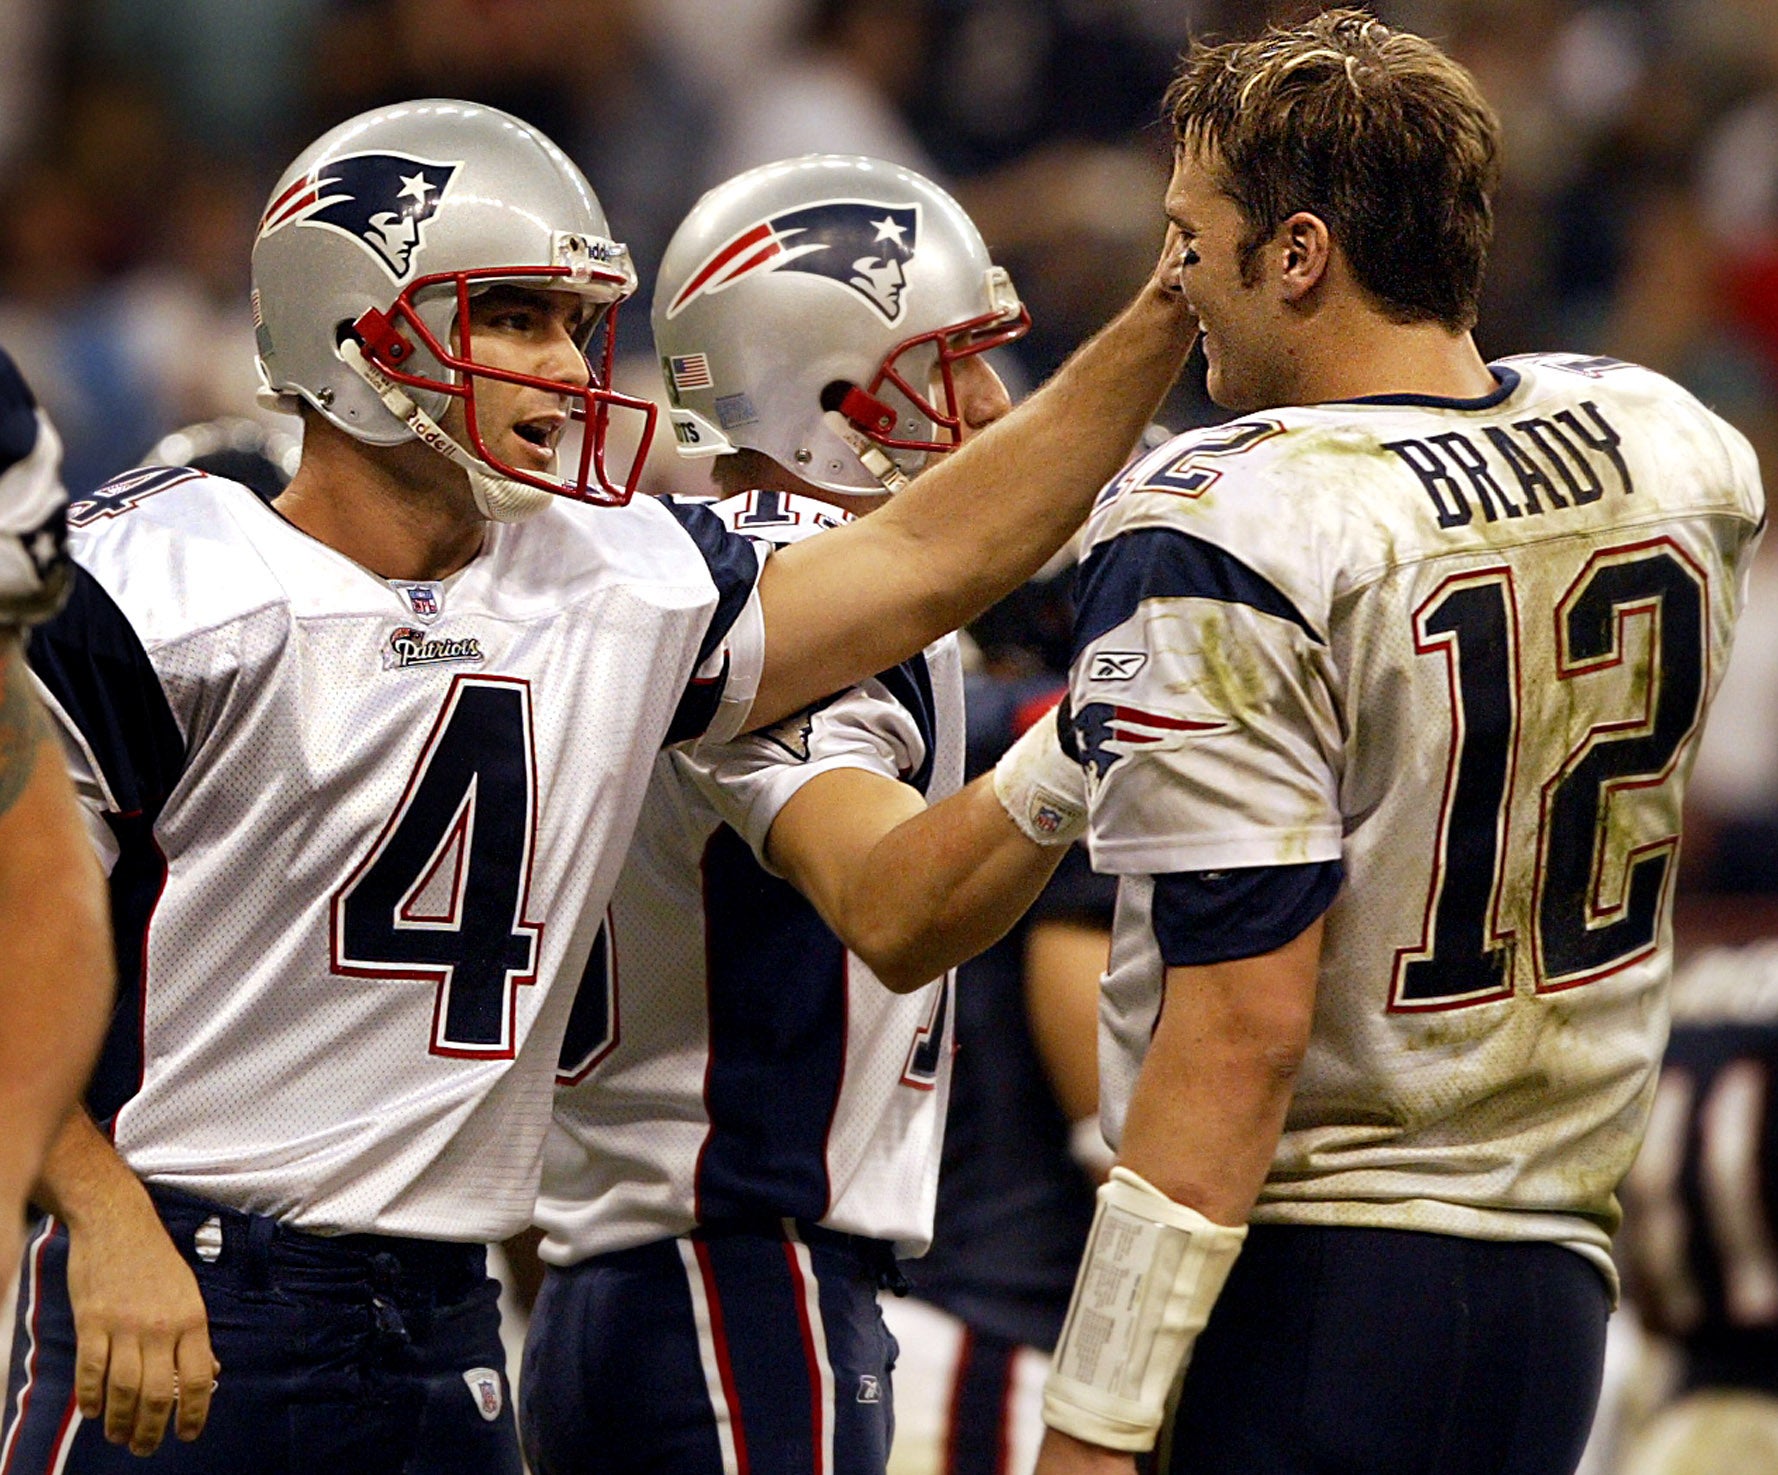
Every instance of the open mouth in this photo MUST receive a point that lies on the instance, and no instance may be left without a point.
(541, 433)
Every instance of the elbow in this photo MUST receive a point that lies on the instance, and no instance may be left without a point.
(894, 955)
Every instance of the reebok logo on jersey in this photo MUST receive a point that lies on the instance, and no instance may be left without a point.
(869, 1389)
(1116, 665)
(1108, 734)
(410, 647)
(484, 1388)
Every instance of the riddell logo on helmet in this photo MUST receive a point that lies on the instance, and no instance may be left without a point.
(863, 245)
(381, 201)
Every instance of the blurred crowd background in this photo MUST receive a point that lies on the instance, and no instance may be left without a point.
(1639, 218)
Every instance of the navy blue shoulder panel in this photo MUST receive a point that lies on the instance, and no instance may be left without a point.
(93, 662)
(18, 415)
(1160, 563)
(910, 683)
(734, 569)
(1203, 917)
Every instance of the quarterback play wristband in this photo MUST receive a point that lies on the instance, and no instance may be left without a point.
(1152, 1270)
(1041, 787)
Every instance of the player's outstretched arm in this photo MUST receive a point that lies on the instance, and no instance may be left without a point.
(915, 891)
(143, 1337)
(55, 944)
(966, 532)
(911, 890)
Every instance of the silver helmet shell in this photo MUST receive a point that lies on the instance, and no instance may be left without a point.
(381, 230)
(797, 282)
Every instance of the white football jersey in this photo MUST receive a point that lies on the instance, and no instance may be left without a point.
(362, 830)
(1465, 648)
(756, 1069)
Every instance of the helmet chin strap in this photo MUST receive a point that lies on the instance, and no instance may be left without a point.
(875, 459)
(499, 498)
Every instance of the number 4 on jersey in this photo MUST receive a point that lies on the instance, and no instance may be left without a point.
(442, 896)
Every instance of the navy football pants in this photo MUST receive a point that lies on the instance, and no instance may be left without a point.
(1383, 1352)
(352, 1354)
(758, 1350)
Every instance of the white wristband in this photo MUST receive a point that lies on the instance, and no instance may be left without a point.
(1152, 1271)
(1041, 787)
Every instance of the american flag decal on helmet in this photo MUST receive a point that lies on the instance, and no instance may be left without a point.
(382, 201)
(863, 245)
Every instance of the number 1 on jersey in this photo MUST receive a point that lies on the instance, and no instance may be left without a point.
(441, 898)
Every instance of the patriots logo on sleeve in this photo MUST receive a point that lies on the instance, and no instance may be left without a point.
(862, 245)
(1108, 734)
(382, 201)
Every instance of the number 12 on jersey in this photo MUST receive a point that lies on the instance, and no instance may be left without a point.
(1579, 933)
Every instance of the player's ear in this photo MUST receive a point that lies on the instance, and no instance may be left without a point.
(1304, 248)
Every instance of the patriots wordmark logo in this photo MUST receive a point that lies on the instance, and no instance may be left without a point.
(382, 201)
(1108, 734)
(408, 647)
(863, 245)
(484, 1388)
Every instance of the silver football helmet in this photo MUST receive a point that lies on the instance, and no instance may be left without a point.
(372, 245)
(813, 310)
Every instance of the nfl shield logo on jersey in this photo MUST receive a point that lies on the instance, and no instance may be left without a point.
(862, 245)
(425, 600)
(484, 1387)
(382, 201)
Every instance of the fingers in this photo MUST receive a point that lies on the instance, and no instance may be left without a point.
(123, 1389)
(92, 1357)
(154, 1402)
(198, 1371)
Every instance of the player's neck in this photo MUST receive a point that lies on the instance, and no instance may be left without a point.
(1372, 356)
(403, 512)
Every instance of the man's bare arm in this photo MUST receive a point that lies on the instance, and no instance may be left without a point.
(913, 891)
(966, 532)
(55, 942)
(141, 1330)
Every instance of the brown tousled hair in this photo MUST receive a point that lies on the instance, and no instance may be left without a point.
(1375, 131)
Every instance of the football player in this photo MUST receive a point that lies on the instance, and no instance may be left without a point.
(368, 761)
(1700, 1252)
(55, 982)
(1387, 691)
(757, 1072)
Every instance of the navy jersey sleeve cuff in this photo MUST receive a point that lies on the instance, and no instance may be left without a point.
(1203, 917)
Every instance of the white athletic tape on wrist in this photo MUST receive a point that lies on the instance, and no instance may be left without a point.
(1041, 788)
(1152, 1270)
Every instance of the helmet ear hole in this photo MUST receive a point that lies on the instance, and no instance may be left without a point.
(834, 392)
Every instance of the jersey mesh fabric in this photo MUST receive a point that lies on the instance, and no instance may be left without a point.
(645, 1146)
(1393, 632)
(281, 1074)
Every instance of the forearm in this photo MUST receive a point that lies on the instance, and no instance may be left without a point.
(942, 886)
(55, 942)
(85, 1183)
(1215, 1087)
(973, 527)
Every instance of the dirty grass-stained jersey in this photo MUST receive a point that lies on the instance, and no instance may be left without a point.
(1465, 648)
(361, 834)
(759, 1071)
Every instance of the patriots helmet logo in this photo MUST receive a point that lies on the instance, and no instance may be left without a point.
(382, 201)
(1106, 734)
(863, 245)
